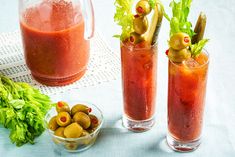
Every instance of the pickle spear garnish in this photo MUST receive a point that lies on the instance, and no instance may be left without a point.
(159, 23)
(199, 28)
(151, 35)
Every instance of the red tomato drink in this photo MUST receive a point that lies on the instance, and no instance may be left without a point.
(54, 46)
(186, 99)
(139, 73)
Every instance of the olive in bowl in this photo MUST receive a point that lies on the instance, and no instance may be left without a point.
(74, 130)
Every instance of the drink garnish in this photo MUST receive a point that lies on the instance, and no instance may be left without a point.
(124, 18)
(181, 32)
(199, 28)
(196, 48)
(152, 34)
(135, 27)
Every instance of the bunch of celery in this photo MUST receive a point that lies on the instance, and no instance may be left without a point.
(22, 110)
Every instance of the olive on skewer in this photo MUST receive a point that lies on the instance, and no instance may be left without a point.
(140, 24)
(135, 38)
(179, 41)
(142, 30)
(178, 55)
(143, 8)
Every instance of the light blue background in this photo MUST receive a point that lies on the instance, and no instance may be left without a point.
(115, 141)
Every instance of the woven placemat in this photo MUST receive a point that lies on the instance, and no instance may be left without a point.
(104, 64)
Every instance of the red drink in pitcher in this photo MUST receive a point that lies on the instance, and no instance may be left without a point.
(55, 49)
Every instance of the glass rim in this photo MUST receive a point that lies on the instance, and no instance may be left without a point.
(198, 67)
(139, 48)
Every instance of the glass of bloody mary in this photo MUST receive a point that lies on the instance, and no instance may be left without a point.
(55, 35)
(139, 50)
(186, 100)
(139, 74)
(187, 77)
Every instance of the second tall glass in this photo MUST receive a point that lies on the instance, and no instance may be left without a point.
(186, 101)
(139, 74)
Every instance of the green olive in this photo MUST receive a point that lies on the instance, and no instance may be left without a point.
(80, 108)
(179, 41)
(62, 107)
(59, 132)
(53, 124)
(94, 121)
(85, 133)
(73, 130)
(135, 38)
(82, 119)
(72, 120)
(63, 119)
(91, 130)
(143, 8)
(178, 56)
(70, 145)
(140, 24)
(88, 138)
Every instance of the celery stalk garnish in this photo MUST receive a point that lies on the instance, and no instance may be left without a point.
(179, 23)
(124, 17)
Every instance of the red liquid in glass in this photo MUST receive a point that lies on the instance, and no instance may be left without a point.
(139, 73)
(186, 98)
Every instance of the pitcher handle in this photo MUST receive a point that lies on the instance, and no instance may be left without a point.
(88, 13)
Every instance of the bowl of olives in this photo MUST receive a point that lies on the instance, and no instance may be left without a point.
(73, 128)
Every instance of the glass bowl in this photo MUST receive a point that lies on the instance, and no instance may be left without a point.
(74, 144)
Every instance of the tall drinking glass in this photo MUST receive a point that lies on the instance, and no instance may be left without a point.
(186, 100)
(139, 74)
(55, 35)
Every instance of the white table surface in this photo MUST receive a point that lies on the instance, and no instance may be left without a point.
(219, 121)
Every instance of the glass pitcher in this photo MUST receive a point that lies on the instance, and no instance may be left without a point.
(55, 35)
